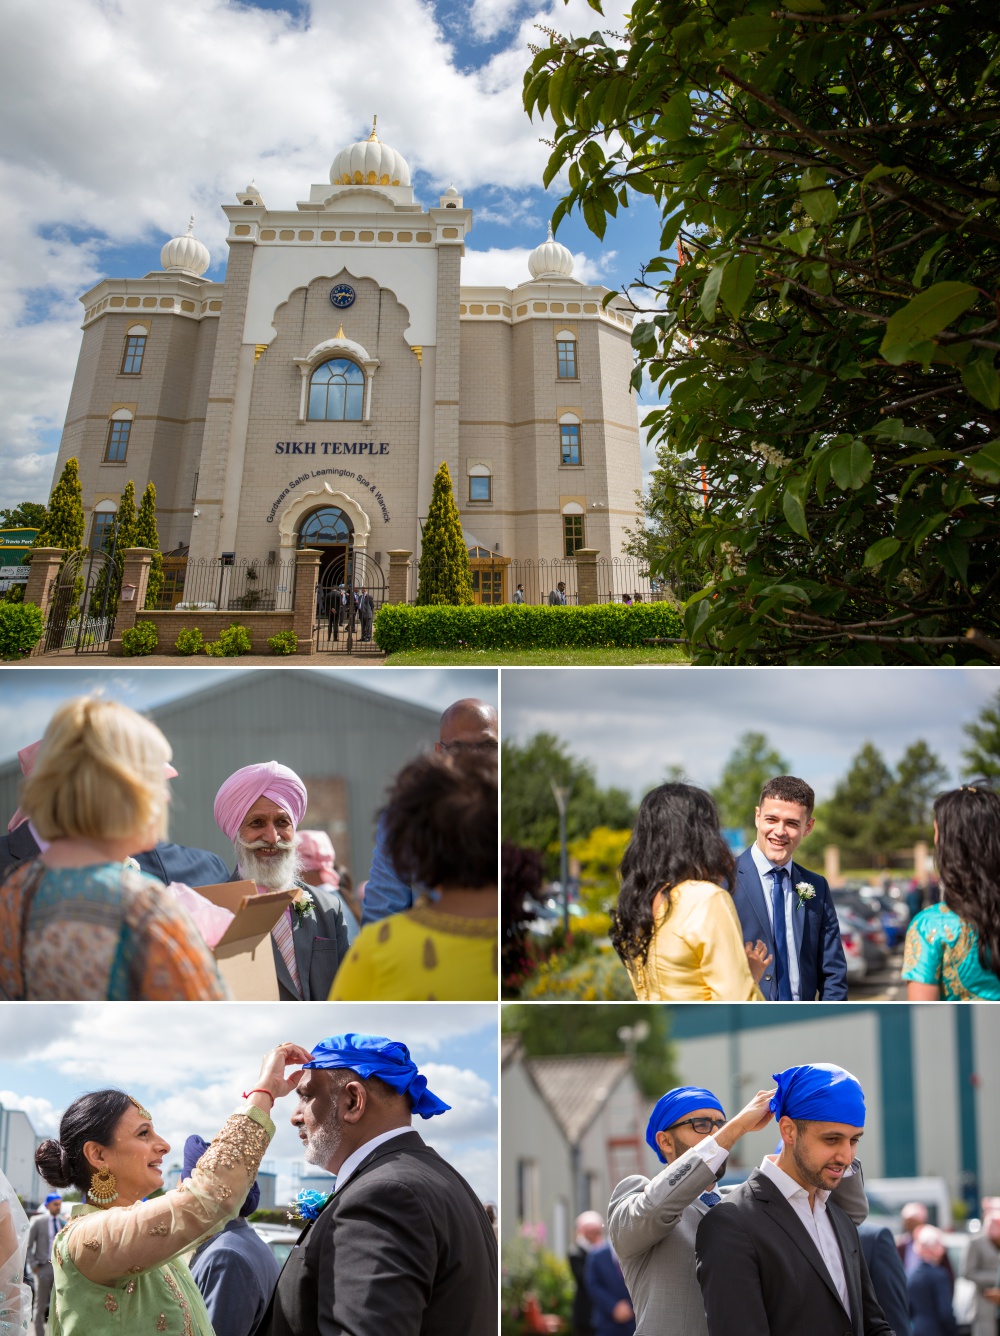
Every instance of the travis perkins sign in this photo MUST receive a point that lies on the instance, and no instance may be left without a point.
(331, 447)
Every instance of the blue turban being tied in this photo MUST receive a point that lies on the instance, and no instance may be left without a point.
(675, 1105)
(820, 1092)
(372, 1055)
(194, 1148)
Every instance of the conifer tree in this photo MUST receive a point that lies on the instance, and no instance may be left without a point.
(123, 539)
(63, 524)
(445, 575)
(146, 535)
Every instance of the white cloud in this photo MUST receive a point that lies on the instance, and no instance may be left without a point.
(509, 267)
(43, 1114)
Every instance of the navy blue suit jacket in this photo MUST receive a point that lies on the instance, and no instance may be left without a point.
(822, 967)
(166, 862)
(888, 1276)
(606, 1286)
(931, 1313)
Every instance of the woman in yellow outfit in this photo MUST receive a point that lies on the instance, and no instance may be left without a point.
(441, 824)
(675, 926)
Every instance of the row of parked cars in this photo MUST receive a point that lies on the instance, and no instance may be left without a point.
(871, 927)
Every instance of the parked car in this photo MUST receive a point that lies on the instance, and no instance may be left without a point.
(279, 1238)
(854, 951)
(868, 922)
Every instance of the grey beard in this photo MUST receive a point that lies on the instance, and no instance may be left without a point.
(277, 874)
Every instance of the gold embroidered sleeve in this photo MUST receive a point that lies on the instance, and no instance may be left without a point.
(105, 1245)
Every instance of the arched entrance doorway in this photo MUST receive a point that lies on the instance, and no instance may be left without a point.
(350, 588)
(331, 530)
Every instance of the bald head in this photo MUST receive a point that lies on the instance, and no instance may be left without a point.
(467, 725)
(590, 1227)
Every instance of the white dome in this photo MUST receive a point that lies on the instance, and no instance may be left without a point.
(369, 163)
(185, 254)
(550, 260)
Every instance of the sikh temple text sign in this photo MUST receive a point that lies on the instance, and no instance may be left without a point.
(359, 478)
(331, 447)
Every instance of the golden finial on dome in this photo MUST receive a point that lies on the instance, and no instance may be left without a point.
(373, 138)
(340, 331)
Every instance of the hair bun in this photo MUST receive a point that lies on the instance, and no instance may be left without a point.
(52, 1163)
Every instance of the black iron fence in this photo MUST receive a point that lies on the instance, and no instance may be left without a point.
(228, 585)
(507, 580)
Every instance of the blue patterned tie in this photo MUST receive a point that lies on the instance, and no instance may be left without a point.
(710, 1199)
(782, 976)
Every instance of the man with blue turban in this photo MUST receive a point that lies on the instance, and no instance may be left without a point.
(402, 1245)
(652, 1222)
(779, 1255)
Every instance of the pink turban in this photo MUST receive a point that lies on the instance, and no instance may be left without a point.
(316, 855)
(269, 779)
(27, 758)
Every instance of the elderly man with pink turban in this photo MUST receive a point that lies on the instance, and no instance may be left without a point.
(259, 808)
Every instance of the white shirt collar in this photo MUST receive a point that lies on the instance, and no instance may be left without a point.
(763, 864)
(785, 1184)
(356, 1156)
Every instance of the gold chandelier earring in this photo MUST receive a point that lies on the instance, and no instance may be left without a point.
(103, 1187)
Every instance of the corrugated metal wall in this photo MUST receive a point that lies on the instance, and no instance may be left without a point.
(319, 725)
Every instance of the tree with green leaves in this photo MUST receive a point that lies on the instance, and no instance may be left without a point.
(107, 586)
(820, 319)
(982, 756)
(529, 815)
(63, 524)
(146, 535)
(750, 765)
(445, 574)
(874, 810)
(554, 1031)
(919, 778)
(26, 515)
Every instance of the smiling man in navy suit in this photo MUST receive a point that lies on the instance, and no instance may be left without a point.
(786, 906)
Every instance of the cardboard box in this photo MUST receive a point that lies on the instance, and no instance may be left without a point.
(244, 953)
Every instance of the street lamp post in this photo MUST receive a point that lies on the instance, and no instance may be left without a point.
(561, 794)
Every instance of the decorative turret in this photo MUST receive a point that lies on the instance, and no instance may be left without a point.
(369, 163)
(551, 260)
(185, 255)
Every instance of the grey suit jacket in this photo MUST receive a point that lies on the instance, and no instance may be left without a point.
(981, 1266)
(320, 941)
(39, 1248)
(652, 1223)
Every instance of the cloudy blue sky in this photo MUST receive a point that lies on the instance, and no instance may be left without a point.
(29, 696)
(633, 724)
(121, 118)
(188, 1062)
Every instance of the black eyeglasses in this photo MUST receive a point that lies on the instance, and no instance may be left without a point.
(703, 1126)
(489, 744)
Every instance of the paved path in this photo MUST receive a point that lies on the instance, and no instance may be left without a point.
(883, 985)
(67, 659)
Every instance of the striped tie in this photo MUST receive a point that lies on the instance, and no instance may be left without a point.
(283, 940)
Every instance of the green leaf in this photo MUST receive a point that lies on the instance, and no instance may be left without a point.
(821, 205)
(670, 230)
(924, 263)
(594, 217)
(710, 292)
(752, 33)
(877, 172)
(982, 382)
(676, 119)
(924, 316)
(882, 551)
(556, 84)
(799, 241)
(737, 283)
(953, 554)
(793, 505)
(928, 527)
(985, 463)
(812, 393)
(851, 466)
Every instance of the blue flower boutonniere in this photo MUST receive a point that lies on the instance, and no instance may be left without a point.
(805, 892)
(308, 1204)
(303, 905)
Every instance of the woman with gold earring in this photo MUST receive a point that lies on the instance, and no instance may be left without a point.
(116, 1262)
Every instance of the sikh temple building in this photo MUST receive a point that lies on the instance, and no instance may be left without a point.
(309, 398)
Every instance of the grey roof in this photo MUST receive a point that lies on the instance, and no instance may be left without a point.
(510, 1048)
(576, 1088)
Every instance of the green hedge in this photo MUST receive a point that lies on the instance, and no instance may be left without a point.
(139, 639)
(519, 626)
(21, 627)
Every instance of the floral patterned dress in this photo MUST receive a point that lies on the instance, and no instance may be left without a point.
(943, 949)
(119, 1269)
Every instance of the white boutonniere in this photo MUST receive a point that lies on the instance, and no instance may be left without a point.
(303, 904)
(805, 892)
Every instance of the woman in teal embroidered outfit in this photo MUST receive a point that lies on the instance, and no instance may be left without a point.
(116, 1263)
(953, 948)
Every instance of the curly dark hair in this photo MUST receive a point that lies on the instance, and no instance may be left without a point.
(676, 838)
(968, 862)
(92, 1117)
(441, 820)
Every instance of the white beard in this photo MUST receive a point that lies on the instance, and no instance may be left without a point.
(277, 873)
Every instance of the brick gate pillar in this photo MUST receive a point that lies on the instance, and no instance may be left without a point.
(135, 578)
(307, 561)
(586, 576)
(42, 572)
(399, 572)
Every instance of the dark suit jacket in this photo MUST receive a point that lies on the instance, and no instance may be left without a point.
(582, 1315)
(606, 1286)
(165, 862)
(320, 941)
(761, 1274)
(403, 1249)
(931, 1313)
(822, 967)
(888, 1275)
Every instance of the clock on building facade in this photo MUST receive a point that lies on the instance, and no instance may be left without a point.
(342, 296)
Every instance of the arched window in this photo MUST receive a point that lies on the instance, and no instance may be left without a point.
(566, 363)
(103, 525)
(480, 483)
(572, 518)
(119, 434)
(569, 439)
(337, 392)
(328, 527)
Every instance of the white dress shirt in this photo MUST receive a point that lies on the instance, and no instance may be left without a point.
(764, 868)
(356, 1156)
(816, 1222)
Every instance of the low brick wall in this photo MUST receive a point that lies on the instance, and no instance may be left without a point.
(261, 625)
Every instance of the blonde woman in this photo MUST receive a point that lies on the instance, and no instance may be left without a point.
(78, 923)
(118, 1263)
